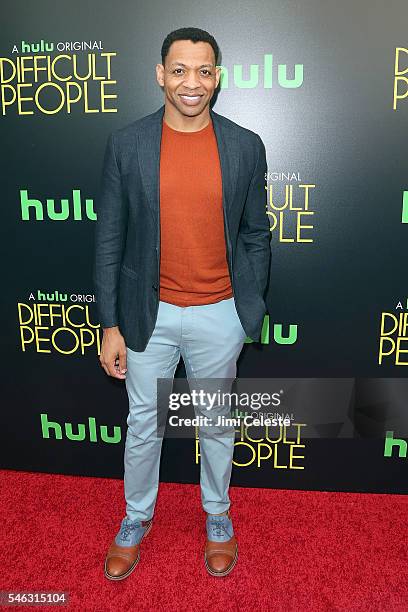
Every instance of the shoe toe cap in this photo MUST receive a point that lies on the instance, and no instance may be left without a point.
(219, 562)
(117, 566)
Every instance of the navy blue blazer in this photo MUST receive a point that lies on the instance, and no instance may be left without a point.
(126, 267)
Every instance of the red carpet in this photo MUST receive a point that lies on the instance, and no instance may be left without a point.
(298, 550)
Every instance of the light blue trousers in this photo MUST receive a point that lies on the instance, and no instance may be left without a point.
(209, 338)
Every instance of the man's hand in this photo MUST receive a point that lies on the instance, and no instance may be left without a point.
(113, 353)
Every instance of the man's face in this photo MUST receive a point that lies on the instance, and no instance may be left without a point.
(189, 76)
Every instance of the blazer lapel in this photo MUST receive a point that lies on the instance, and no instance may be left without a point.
(228, 152)
(149, 140)
(149, 159)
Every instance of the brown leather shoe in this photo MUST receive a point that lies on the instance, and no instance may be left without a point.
(221, 549)
(120, 560)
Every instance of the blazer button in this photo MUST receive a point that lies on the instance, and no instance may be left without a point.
(154, 287)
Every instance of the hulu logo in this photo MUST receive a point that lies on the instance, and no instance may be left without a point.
(82, 432)
(278, 336)
(391, 442)
(56, 212)
(36, 47)
(268, 75)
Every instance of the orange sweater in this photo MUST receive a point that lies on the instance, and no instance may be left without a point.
(193, 259)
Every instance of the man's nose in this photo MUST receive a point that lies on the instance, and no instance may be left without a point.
(192, 80)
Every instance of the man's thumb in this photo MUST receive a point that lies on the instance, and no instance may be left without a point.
(122, 362)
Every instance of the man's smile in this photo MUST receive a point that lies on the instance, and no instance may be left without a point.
(190, 100)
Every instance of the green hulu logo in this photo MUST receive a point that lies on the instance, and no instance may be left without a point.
(36, 47)
(278, 336)
(397, 443)
(82, 432)
(268, 75)
(57, 212)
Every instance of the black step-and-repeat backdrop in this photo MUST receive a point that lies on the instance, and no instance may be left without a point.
(325, 84)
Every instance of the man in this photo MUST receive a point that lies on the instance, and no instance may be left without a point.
(182, 256)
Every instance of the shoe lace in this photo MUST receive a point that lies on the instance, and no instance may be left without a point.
(127, 529)
(217, 527)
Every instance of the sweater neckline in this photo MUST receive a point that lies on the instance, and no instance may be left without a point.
(182, 133)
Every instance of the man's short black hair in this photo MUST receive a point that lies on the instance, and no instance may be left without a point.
(193, 34)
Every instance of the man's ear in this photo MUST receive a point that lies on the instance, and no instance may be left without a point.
(160, 74)
(217, 75)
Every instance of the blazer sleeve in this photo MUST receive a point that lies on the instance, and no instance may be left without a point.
(110, 235)
(255, 228)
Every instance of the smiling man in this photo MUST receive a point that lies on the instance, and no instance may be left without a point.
(182, 254)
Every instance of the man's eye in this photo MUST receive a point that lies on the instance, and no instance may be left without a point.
(180, 70)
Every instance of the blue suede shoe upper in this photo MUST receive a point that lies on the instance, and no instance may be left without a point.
(130, 533)
(219, 528)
